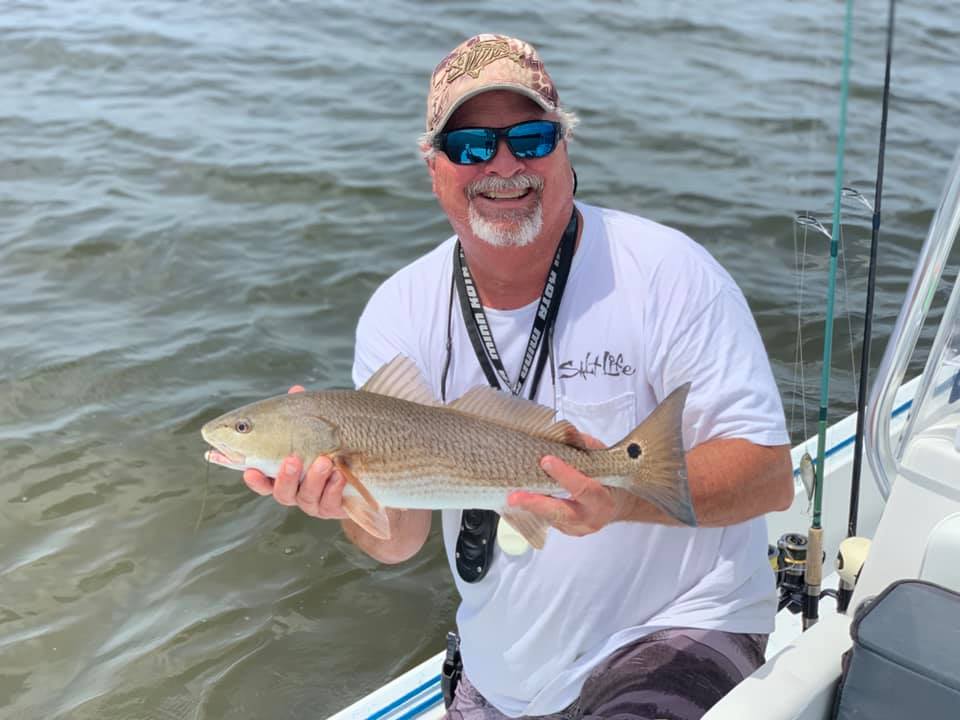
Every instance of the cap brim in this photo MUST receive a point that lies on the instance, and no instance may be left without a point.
(513, 87)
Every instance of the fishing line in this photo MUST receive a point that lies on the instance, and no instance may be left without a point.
(808, 222)
(203, 501)
(800, 265)
(858, 202)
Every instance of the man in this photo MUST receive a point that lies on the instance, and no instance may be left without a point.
(624, 612)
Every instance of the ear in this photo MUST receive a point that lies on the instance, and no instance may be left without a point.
(432, 169)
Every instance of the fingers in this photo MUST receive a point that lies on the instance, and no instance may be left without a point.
(258, 482)
(572, 480)
(295, 389)
(287, 482)
(592, 443)
(555, 511)
(318, 492)
(321, 492)
(590, 507)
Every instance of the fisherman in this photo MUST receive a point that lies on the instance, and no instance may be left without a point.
(599, 314)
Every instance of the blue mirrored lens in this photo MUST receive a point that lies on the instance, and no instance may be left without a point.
(470, 145)
(532, 139)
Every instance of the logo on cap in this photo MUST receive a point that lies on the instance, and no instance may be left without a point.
(471, 62)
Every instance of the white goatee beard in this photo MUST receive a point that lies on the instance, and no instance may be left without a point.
(512, 232)
(510, 228)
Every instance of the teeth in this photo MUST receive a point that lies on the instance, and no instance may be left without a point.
(505, 194)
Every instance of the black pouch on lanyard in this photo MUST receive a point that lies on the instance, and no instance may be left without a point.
(478, 528)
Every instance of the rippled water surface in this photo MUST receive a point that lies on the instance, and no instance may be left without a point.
(197, 198)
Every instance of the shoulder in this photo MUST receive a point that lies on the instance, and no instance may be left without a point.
(657, 261)
(654, 247)
(404, 314)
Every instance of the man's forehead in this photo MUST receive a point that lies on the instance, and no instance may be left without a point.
(493, 103)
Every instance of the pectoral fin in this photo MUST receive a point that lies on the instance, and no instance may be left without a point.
(519, 530)
(373, 520)
(361, 506)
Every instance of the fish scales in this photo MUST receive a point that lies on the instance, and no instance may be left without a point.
(399, 442)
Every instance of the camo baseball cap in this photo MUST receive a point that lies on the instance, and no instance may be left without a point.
(482, 63)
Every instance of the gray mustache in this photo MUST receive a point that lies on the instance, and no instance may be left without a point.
(500, 184)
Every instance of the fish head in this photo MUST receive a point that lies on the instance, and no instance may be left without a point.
(261, 434)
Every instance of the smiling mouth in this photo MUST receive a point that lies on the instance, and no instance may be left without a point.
(506, 194)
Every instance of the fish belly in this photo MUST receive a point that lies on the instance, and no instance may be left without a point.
(435, 493)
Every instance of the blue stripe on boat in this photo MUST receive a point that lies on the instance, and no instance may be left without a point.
(426, 705)
(409, 695)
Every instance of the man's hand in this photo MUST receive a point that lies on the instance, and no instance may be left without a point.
(731, 480)
(320, 494)
(591, 506)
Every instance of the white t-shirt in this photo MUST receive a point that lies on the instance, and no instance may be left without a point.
(645, 310)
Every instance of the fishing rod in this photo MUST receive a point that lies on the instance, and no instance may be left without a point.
(814, 550)
(845, 557)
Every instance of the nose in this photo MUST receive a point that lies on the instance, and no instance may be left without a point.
(504, 163)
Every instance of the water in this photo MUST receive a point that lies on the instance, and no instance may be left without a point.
(195, 202)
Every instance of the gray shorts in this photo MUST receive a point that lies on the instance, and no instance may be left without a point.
(675, 674)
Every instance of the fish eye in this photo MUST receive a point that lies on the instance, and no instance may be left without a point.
(634, 451)
(243, 426)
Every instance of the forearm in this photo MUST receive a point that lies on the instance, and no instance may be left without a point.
(731, 480)
(408, 533)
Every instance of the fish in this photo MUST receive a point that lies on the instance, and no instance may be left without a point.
(398, 447)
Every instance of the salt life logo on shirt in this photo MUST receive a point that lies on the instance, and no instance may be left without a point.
(604, 364)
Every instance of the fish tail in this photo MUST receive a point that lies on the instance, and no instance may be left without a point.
(656, 445)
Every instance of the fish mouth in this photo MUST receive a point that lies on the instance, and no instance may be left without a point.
(224, 457)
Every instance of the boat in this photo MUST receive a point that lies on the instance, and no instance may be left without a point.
(909, 515)
(915, 471)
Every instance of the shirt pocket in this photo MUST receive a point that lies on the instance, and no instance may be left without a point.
(608, 420)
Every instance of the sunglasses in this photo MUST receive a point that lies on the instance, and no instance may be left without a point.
(469, 146)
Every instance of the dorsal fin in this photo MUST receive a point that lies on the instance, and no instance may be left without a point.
(517, 414)
(401, 378)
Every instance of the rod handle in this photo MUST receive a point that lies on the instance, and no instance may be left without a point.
(815, 557)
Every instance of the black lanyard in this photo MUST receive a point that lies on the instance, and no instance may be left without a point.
(478, 328)
(478, 528)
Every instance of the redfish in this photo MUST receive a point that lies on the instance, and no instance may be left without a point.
(398, 447)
